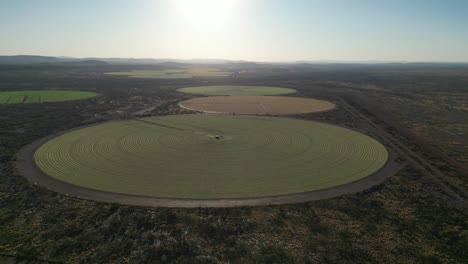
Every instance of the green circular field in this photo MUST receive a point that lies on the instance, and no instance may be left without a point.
(210, 156)
(18, 97)
(237, 90)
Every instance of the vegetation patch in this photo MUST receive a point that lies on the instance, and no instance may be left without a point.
(174, 73)
(257, 105)
(211, 156)
(18, 97)
(237, 90)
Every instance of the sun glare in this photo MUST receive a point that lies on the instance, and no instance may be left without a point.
(206, 13)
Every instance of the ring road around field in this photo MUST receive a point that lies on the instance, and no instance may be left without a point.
(206, 159)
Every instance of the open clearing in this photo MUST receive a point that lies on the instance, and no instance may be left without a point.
(237, 90)
(18, 97)
(174, 73)
(257, 105)
(179, 157)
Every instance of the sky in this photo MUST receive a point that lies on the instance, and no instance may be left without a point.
(254, 30)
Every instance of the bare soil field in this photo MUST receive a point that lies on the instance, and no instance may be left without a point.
(257, 105)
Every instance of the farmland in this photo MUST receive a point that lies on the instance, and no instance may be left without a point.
(409, 217)
(234, 90)
(258, 105)
(17, 97)
(174, 73)
(179, 156)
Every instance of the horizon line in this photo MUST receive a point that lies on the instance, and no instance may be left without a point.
(242, 60)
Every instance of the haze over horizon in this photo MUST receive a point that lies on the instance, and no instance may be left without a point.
(251, 30)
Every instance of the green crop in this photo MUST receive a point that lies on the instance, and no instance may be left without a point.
(211, 156)
(16, 97)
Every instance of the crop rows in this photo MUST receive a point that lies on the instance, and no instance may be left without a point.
(254, 156)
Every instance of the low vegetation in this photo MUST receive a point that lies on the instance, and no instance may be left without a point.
(408, 218)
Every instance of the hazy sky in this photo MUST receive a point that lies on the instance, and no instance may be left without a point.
(260, 30)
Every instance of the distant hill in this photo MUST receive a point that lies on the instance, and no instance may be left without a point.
(88, 62)
(28, 59)
(32, 59)
(166, 61)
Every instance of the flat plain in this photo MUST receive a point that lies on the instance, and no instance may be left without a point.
(407, 218)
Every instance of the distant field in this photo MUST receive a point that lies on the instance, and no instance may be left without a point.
(261, 105)
(210, 156)
(237, 90)
(17, 97)
(174, 73)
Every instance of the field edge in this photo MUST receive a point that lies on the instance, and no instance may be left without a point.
(181, 105)
(27, 168)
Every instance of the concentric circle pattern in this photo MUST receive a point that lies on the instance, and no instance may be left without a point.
(210, 156)
(236, 90)
(259, 105)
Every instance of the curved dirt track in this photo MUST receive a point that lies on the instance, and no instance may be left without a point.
(27, 168)
(257, 105)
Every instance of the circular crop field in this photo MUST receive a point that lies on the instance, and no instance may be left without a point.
(18, 97)
(237, 90)
(257, 105)
(209, 157)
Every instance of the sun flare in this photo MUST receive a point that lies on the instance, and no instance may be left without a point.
(206, 13)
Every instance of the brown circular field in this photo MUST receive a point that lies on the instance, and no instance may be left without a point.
(260, 105)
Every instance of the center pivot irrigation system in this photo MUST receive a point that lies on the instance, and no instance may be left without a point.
(209, 160)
